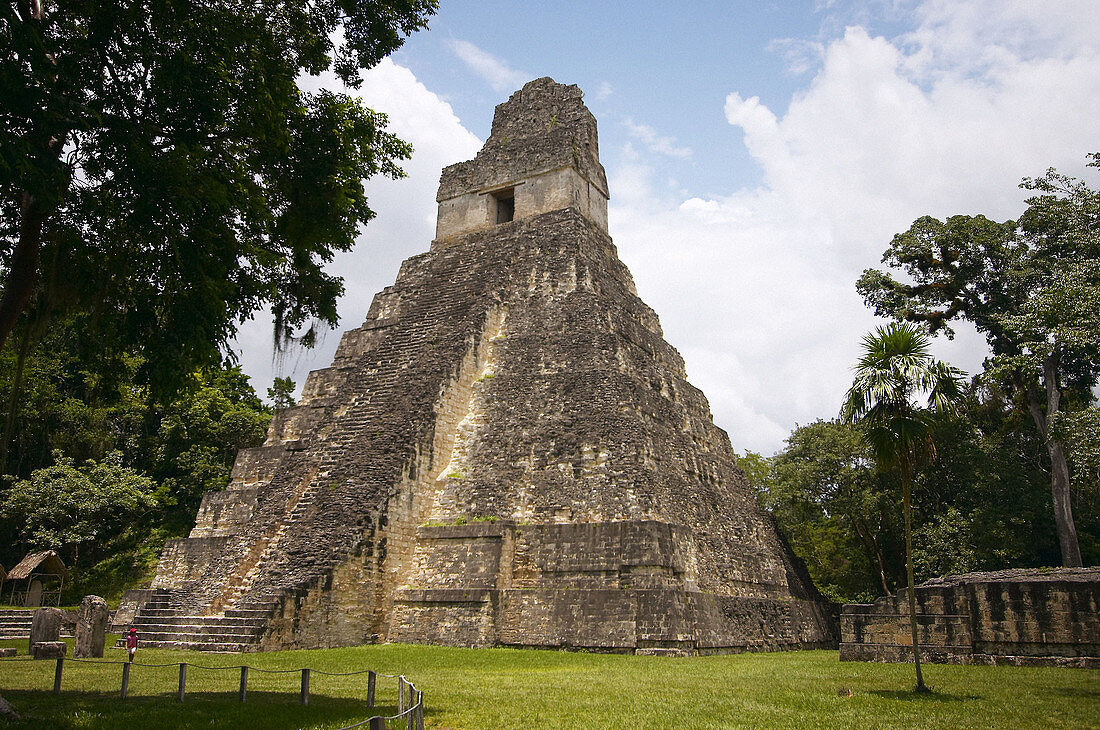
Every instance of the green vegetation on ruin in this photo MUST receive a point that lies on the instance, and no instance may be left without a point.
(506, 688)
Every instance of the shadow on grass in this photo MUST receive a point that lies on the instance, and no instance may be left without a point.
(267, 710)
(1075, 692)
(935, 696)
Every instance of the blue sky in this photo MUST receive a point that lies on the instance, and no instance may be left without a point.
(759, 156)
(666, 66)
(655, 64)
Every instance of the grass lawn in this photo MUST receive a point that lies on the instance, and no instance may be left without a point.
(505, 688)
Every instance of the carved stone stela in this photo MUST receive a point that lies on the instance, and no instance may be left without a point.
(507, 452)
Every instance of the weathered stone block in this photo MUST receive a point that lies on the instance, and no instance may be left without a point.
(1019, 616)
(49, 649)
(132, 600)
(184, 560)
(592, 619)
(45, 626)
(91, 627)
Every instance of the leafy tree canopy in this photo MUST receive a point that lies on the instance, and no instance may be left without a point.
(836, 510)
(896, 370)
(161, 169)
(979, 505)
(64, 506)
(77, 404)
(199, 436)
(1032, 286)
(281, 393)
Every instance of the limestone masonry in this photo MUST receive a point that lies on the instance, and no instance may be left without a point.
(505, 453)
(1045, 616)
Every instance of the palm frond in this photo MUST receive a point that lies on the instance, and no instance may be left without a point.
(895, 371)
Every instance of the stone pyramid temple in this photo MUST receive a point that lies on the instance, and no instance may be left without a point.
(505, 453)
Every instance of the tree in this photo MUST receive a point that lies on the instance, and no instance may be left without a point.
(161, 169)
(281, 393)
(978, 505)
(986, 488)
(85, 408)
(1080, 432)
(60, 396)
(896, 368)
(1032, 287)
(198, 437)
(834, 509)
(64, 506)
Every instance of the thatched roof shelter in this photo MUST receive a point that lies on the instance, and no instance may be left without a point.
(42, 576)
(46, 562)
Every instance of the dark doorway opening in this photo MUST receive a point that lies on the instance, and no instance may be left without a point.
(505, 205)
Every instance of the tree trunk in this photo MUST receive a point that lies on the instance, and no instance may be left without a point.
(881, 567)
(24, 265)
(1063, 509)
(13, 403)
(870, 544)
(23, 268)
(906, 484)
(1059, 465)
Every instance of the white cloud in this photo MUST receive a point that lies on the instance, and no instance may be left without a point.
(405, 224)
(497, 72)
(994, 35)
(654, 142)
(801, 55)
(604, 90)
(756, 288)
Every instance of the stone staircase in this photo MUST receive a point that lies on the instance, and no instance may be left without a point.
(159, 625)
(238, 586)
(15, 623)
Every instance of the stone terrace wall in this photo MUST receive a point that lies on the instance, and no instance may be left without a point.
(1012, 616)
(611, 586)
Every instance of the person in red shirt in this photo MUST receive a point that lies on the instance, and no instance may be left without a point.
(131, 643)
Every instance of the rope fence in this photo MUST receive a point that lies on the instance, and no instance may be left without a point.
(410, 700)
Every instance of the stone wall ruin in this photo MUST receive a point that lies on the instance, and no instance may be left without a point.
(1026, 616)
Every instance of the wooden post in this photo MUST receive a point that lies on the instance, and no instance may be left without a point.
(304, 699)
(400, 695)
(410, 719)
(244, 682)
(125, 680)
(378, 723)
(183, 680)
(371, 678)
(420, 711)
(57, 675)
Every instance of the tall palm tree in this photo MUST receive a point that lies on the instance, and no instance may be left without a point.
(896, 370)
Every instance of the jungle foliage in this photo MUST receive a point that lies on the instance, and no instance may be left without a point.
(982, 504)
(102, 472)
(163, 177)
(162, 172)
(1032, 287)
(1024, 443)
